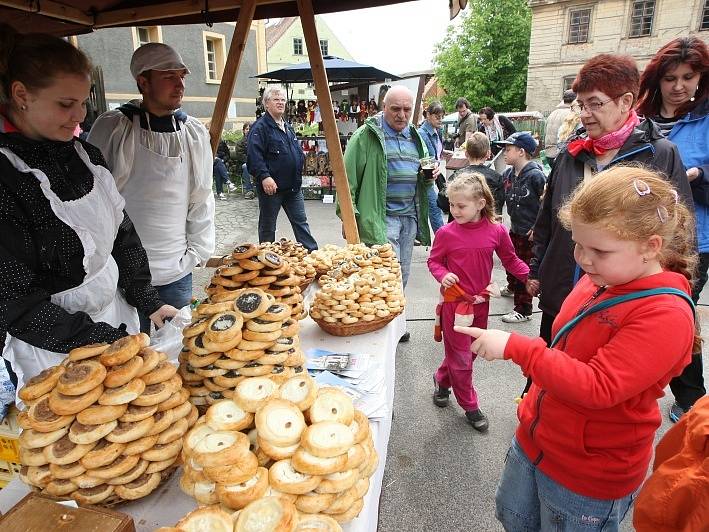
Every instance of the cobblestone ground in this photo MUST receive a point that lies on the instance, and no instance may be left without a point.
(236, 220)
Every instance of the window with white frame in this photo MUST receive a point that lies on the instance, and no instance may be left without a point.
(579, 24)
(567, 81)
(214, 56)
(146, 34)
(641, 18)
(297, 46)
(324, 48)
(704, 23)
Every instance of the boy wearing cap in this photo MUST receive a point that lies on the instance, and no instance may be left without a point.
(524, 185)
(161, 160)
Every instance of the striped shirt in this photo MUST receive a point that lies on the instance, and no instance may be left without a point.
(402, 171)
(665, 124)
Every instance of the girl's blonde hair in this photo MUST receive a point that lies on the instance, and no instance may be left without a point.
(636, 203)
(473, 185)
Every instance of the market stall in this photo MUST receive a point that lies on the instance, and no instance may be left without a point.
(97, 388)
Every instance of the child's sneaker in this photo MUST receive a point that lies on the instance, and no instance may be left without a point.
(506, 292)
(478, 420)
(440, 394)
(676, 412)
(231, 187)
(515, 317)
(221, 196)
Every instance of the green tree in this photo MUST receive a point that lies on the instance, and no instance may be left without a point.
(485, 57)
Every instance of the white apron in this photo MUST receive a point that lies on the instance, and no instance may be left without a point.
(95, 217)
(157, 201)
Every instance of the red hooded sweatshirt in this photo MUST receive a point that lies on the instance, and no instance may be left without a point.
(589, 419)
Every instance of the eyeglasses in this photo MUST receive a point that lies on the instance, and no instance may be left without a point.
(591, 107)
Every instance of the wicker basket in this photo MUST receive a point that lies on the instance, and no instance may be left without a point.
(361, 327)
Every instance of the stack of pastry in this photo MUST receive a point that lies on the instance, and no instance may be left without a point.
(106, 425)
(295, 253)
(308, 447)
(249, 336)
(368, 295)
(251, 266)
(335, 262)
(265, 514)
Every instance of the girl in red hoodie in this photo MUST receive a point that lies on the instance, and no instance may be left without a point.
(584, 441)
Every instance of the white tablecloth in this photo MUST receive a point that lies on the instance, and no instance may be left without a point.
(168, 505)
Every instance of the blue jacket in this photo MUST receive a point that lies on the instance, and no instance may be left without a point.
(428, 134)
(275, 153)
(691, 135)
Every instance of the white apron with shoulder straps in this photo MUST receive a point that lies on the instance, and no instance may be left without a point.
(157, 201)
(95, 218)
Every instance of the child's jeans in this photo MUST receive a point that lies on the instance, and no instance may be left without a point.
(528, 500)
(456, 371)
(221, 174)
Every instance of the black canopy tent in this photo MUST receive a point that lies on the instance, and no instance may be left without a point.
(338, 70)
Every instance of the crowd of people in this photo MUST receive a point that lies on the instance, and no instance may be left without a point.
(100, 236)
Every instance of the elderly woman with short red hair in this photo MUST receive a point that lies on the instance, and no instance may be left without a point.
(607, 89)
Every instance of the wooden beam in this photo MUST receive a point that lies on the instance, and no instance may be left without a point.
(134, 15)
(419, 97)
(231, 69)
(332, 138)
(51, 9)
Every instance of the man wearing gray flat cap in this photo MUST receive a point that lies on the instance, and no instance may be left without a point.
(161, 160)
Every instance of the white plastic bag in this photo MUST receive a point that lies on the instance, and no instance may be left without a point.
(168, 338)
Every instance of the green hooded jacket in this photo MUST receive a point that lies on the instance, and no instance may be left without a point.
(366, 166)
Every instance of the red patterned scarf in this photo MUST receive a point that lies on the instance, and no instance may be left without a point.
(609, 141)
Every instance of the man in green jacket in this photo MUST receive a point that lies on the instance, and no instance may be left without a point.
(389, 191)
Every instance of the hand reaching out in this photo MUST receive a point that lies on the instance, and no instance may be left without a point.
(449, 280)
(166, 311)
(489, 343)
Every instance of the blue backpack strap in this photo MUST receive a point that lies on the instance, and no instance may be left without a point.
(611, 302)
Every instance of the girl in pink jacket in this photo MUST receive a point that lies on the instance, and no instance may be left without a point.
(461, 260)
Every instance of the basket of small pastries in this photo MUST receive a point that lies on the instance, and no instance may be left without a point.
(283, 455)
(360, 293)
(242, 332)
(106, 425)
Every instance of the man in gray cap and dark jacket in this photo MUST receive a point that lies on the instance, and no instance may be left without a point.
(161, 160)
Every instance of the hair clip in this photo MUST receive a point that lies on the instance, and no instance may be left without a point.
(641, 187)
(675, 195)
(662, 214)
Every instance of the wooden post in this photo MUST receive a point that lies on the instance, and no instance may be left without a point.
(419, 97)
(231, 69)
(332, 138)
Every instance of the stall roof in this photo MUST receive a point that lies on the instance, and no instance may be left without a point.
(338, 70)
(73, 17)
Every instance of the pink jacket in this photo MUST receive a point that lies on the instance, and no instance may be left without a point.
(466, 250)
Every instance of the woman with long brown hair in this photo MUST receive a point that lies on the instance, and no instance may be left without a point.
(673, 93)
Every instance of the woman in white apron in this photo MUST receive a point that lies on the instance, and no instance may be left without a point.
(70, 259)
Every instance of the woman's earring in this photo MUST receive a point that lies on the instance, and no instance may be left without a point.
(23, 107)
(695, 92)
(644, 260)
